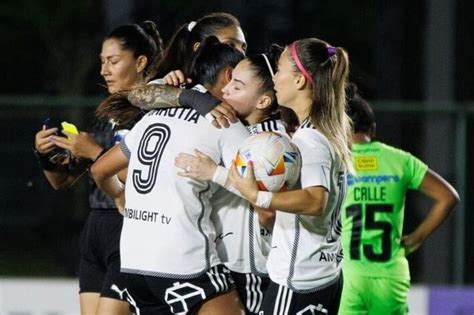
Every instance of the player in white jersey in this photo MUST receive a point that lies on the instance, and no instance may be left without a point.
(241, 240)
(305, 260)
(244, 232)
(167, 247)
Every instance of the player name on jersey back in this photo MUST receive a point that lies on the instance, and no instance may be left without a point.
(184, 113)
(373, 211)
(167, 230)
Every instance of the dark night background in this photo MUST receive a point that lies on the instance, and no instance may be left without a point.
(411, 59)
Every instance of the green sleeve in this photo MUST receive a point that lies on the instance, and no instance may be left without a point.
(416, 171)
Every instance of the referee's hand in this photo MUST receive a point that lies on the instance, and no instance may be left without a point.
(43, 142)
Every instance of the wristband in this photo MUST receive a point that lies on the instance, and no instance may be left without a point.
(220, 176)
(264, 199)
(45, 160)
(203, 103)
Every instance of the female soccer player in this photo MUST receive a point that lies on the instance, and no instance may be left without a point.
(305, 260)
(167, 242)
(376, 272)
(128, 56)
(243, 243)
(178, 55)
(184, 42)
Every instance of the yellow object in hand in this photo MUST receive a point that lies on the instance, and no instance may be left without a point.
(69, 128)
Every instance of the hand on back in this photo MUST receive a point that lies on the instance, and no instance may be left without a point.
(223, 114)
(199, 166)
(176, 78)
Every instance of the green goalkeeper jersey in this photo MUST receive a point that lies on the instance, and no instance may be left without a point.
(373, 211)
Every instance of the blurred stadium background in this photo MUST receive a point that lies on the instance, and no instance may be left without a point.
(411, 59)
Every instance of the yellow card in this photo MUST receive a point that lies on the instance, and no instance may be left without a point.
(69, 128)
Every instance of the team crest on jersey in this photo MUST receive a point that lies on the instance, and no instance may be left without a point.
(366, 163)
(180, 294)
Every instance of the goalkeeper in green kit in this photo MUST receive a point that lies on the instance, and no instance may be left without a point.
(376, 272)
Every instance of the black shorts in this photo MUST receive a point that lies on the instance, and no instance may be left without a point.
(283, 301)
(99, 267)
(156, 295)
(251, 289)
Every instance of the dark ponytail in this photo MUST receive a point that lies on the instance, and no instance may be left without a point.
(175, 53)
(150, 28)
(180, 49)
(141, 39)
(359, 110)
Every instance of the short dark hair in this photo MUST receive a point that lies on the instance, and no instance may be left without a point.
(359, 110)
(210, 58)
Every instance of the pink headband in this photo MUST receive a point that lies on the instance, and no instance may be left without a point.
(299, 65)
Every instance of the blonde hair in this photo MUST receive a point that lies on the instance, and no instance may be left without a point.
(328, 69)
